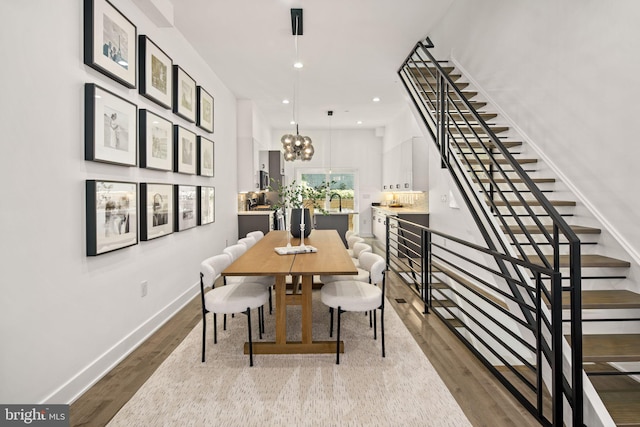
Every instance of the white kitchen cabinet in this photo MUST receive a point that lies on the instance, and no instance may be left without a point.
(405, 166)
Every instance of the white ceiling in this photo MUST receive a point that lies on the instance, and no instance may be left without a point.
(351, 51)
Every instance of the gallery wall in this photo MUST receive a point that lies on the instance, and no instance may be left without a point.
(65, 318)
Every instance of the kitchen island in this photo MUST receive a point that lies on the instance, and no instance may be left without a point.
(335, 220)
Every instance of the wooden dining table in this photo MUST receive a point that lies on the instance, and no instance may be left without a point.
(262, 260)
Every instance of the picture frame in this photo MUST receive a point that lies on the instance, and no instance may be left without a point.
(110, 42)
(184, 94)
(111, 216)
(156, 210)
(207, 211)
(206, 156)
(156, 73)
(111, 124)
(156, 141)
(186, 207)
(185, 150)
(205, 110)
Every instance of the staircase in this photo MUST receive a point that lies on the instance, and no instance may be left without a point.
(512, 197)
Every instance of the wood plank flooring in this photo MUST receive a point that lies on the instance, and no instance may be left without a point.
(482, 398)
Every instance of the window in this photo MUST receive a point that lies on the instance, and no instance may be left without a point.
(343, 183)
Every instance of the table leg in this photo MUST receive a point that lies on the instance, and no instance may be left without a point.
(307, 320)
(281, 310)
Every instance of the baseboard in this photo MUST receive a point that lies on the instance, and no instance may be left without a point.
(626, 246)
(85, 379)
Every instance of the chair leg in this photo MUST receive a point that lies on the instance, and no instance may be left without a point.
(215, 329)
(260, 321)
(204, 334)
(338, 340)
(331, 322)
(250, 342)
(224, 322)
(370, 314)
(375, 326)
(382, 329)
(270, 302)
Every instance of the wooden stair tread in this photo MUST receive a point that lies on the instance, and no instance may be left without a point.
(611, 348)
(535, 203)
(467, 130)
(500, 161)
(442, 303)
(532, 229)
(586, 260)
(515, 180)
(605, 299)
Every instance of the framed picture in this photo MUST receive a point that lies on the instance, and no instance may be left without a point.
(205, 110)
(184, 94)
(184, 150)
(110, 42)
(112, 221)
(110, 127)
(205, 156)
(156, 81)
(186, 201)
(156, 210)
(156, 141)
(207, 212)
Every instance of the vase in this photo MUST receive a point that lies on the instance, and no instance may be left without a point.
(295, 222)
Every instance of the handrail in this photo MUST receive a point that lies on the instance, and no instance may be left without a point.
(466, 142)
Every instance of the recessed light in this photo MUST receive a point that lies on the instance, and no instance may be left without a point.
(298, 65)
(292, 122)
(376, 99)
(359, 122)
(285, 101)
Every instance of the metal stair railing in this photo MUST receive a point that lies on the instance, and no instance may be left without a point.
(474, 154)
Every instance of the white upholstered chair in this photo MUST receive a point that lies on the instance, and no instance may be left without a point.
(228, 299)
(235, 251)
(247, 241)
(348, 234)
(353, 295)
(257, 235)
(352, 240)
(358, 249)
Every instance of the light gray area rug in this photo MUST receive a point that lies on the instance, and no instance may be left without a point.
(402, 389)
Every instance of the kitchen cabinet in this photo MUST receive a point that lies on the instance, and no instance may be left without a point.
(254, 221)
(276, 167)
(405, 166)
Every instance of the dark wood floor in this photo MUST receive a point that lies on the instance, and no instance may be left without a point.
(482, 398)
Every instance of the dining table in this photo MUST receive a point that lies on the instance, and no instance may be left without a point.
(330, 257)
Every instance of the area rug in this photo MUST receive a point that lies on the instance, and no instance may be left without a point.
(402, 389)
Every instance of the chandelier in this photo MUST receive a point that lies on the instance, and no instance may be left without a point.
(296, 147)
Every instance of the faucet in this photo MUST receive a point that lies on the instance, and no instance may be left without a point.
(339, 199)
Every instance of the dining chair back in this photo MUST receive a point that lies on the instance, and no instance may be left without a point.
(257, 235)
(354, 295)
(235, 252)
(358, 249)
(228, 299)
(247, 241)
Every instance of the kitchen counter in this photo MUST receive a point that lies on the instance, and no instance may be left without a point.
(396, 211)
(255, 212)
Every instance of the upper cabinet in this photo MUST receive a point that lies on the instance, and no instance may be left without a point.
(405, 167)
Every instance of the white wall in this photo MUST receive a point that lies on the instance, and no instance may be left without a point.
(400, 128)
(358, 149)
(66, 318)
(564, 72)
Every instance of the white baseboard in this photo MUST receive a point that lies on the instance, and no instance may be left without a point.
(85, 379)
